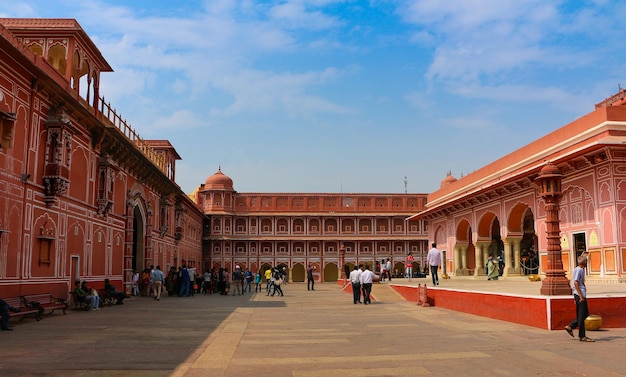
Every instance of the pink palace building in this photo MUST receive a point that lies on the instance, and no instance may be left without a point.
(497, 210)
(263, 230)
(83, 197)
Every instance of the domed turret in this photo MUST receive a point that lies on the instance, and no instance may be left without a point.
(447, 180)
(218, 181)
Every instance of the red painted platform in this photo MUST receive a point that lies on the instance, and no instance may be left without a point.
(546, 312)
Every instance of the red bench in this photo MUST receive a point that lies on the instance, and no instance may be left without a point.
(45, 302)
(79, 302)
(17, 302)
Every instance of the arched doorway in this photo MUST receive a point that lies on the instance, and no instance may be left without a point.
(331, 272)
(529, 258)
(464, 251)
(139, 231)
(298, 273)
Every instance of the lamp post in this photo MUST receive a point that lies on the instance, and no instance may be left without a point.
(549, 181)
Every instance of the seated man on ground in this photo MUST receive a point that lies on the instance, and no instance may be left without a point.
(112, 292)
(85, 294)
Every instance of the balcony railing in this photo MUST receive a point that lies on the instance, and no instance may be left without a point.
(108, 114)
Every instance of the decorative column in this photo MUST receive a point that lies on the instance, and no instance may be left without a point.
(460, 260)
(549, 181)
(128, 245)
(342, 251)
(517, 243)
(479, 270)
(148, 260)
(458, 263)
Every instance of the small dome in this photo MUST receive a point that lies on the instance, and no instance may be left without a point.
(447, 180)
(218, 181)
(549, 169)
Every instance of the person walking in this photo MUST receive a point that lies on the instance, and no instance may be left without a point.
(277, 282)
(135, 283)
(268, 280)
(257, 282)
(388, 268)
(383, 270)
(237, 281)
(434, 261)
(184, 282)
(580, 297)
(355, 279)
(493, 272)
(249, 277)
(408, 262)
(367, 278)
(157, 280)
(310, 280)
(206, 283)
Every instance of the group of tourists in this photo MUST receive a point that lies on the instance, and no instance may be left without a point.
(274, 280)
(240, 281)
(153, 282)
(362, 279)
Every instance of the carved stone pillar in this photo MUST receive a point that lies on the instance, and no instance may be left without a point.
(460, 260)
(128, 245)
(148, 245)
(464, 260)
(480, 248)
(517, 244)
(458, 264)
(549, 181)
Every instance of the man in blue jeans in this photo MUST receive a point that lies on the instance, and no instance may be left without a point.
(580, 297)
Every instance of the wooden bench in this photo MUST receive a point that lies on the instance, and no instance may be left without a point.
(105, 298)
(79, 302)
(45, 301)
(17, 302)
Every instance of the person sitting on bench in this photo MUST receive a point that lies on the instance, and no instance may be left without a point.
(86, 295)
(112, 292)
(4, 309)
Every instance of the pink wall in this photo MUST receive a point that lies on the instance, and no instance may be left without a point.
(524, 310)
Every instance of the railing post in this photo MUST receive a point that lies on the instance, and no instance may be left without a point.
(422, 296)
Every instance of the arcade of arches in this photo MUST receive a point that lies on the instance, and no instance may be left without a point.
(517, 251)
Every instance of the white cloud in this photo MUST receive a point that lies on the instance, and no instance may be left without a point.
(178, 120)
(296, 14)
(262, 91)
(213, 49)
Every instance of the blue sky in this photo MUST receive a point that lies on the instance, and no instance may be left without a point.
(348, 96)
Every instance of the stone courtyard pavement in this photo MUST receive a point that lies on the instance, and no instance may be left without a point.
(303, 334)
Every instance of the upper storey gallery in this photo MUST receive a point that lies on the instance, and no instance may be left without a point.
(68, 63)
(66, 47)
(217, 195)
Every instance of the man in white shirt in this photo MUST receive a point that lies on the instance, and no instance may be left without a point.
(366, 278)
(434, 261)
(388, 268)
(355, 279)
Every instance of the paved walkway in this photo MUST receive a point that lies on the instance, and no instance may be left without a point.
(303, 334)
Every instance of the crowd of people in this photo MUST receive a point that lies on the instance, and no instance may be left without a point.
(184, 281)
